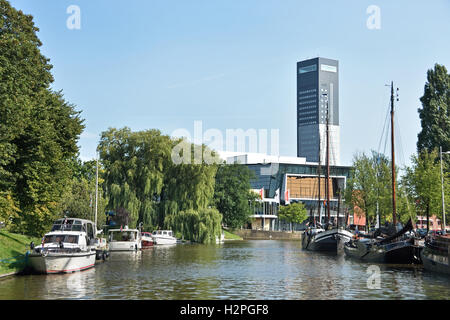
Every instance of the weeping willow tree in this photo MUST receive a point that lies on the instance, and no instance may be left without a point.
(143, 177)
(135, 164)
(202, 225)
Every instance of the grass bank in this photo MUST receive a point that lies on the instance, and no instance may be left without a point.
(231, 236)
(12, 251)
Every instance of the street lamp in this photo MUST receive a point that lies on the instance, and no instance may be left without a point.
(442, 183)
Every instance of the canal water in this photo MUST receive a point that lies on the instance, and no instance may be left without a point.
(235, 270)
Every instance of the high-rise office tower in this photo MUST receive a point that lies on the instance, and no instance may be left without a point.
(317, 86)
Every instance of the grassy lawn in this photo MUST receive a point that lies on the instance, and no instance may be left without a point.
(14, 245)
(231, 236)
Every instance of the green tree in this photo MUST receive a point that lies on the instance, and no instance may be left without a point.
(361, 189)
(142, 178)
(423, 182)
(135, 164)
(201, 226)
(39, 130)
(293, 213)
(435, 112)
(79, 197)
(233, 196)
(369, 188)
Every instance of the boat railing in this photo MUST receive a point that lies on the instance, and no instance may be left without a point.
(57, 250)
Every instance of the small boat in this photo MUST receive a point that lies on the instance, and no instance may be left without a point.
(68, 247)
(146, 240)
(124, 239)
(436, 254)
(163, 237)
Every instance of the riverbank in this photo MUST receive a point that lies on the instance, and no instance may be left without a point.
(231, 236)
(13, 248)
(248, 234)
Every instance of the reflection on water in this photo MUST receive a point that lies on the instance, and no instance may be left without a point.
(234, 270)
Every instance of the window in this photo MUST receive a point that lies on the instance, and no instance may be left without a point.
(61, 238)
(306, 69)
(325, 67)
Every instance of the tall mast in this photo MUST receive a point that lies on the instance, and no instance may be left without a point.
(327, 182)
(96, 198)
(394, 216)
(318, 175)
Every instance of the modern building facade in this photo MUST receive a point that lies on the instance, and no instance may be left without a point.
(284, 180)
(317, 97)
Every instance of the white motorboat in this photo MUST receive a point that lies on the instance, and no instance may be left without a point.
(124, 239)
(69, 247)
(163, 237)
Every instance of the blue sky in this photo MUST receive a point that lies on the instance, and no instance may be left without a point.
(232, 64)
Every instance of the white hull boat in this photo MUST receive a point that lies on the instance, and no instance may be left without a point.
(161, 237)
(69, 247)
(124, 239)
(62, 262)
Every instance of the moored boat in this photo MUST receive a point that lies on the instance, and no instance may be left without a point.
(124, 239)
(318, 239)
(436, 254)
(146, 240)
(163, 237)
(394, 249)
(68, 247)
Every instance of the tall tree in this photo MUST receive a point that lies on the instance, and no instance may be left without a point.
(361, 187)
(39, 130)
(233, 196)
(369, 187)
(423, 181)
(435, 111)
(135, 164)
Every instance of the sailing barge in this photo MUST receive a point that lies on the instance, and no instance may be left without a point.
(392, 247)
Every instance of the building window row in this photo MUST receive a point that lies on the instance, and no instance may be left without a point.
(306, 69)
(307, 91)
(306, 108)
(309, 122)
(307, 113)
(308, 96)
(307, 102)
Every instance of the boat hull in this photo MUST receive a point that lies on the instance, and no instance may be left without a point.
(124, 245)
(164, 241)
(147, 243)
(437, 260)
(402, 252)
(61, 262)
(326, 240)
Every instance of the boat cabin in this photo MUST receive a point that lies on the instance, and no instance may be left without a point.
(76, 225)
(168, 233)
(123, 235)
